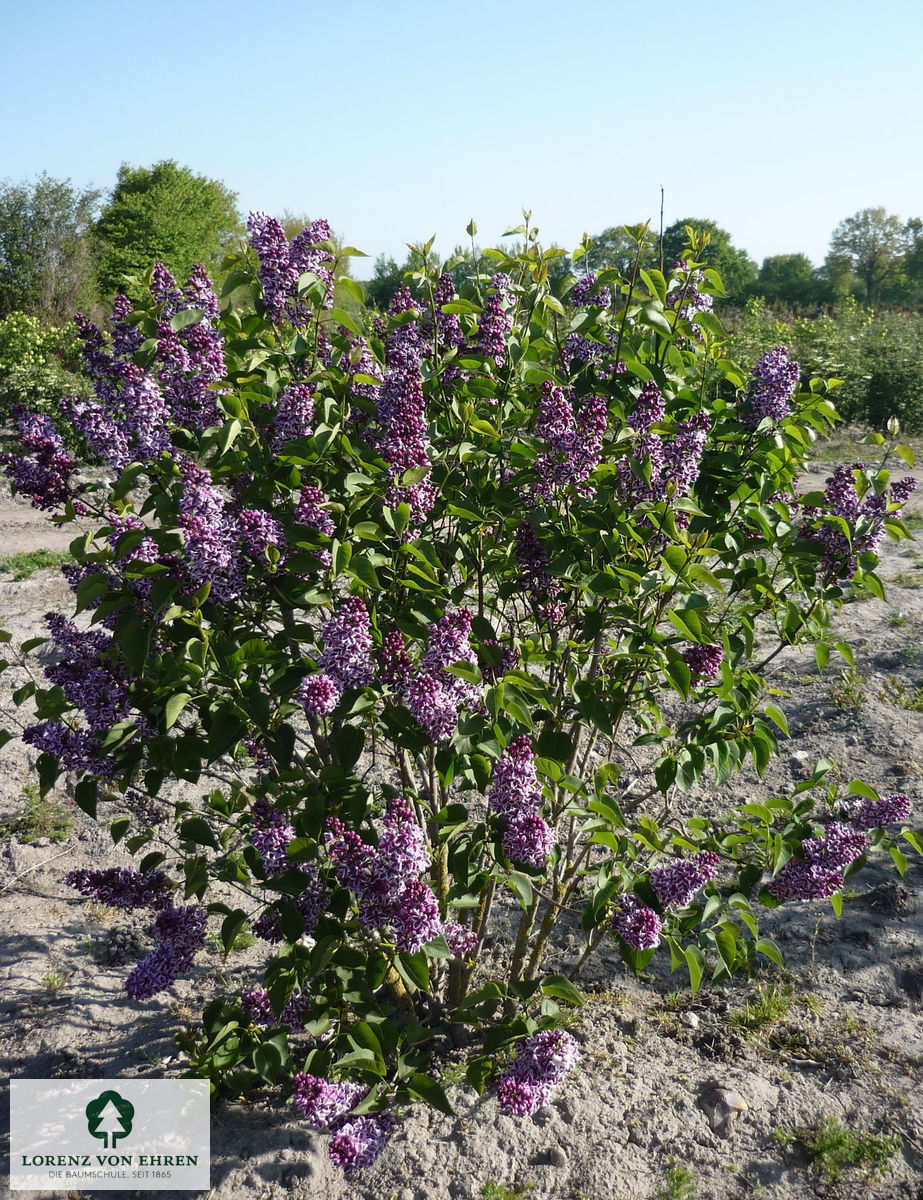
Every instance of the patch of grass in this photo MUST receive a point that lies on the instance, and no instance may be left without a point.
(897, 620)
(38, 818)
(772, 1003)
(54, 982)
(499, 1191)
(678, 1184)
(832, 1148)
(849, 690)
(897, 692)
(27, 562)
(913, 520)
(907, 579)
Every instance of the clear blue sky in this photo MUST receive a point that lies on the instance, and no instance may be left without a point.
(397, 119)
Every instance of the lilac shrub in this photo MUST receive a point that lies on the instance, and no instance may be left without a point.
(372, 610)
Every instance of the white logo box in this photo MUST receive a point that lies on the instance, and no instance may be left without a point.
(146, 1135)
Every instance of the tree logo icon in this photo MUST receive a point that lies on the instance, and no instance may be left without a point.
(109, 1117)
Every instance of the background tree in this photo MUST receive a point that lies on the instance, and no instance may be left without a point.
(616, 247)
(163, 213)
(737, 270)
(872, 243)
(46, 266)
(787, 279)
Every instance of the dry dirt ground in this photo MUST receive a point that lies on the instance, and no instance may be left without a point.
(840, 1034)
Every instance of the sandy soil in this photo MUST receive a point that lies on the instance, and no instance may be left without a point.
(847, 1040)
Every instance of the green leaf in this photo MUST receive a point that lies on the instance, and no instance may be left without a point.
(360, 568)
(267, 1058)
(911, 836)
(775, 714)
(562, 989)
(198, 830)
(187, 316)
(769, 948)
(522, 886)
(695, 964)
(413, 969)
(175, 706)
(900, 860)
(429, 1090)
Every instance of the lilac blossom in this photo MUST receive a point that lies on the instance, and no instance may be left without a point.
(359, 1142)
(433, 695)
(44, 475)
(282, 265)
(258, 1008)
(74, 750)
(875, 814)
(192, 358)
(123, 887)
(514, 789)
(294, 416)
(682, 454)
(402, 845)
(498, 660)
(271, 835)
(529, 840)
(496, 320)
(462, 940)
(865, 518)
(638, 926)
(311, 513)
(259, 531)
(704, 663)
(212, 551)
(583, 289)
(543, 589)
(310, 903)
(347, 644)
(180, 932)
(688, 297)
(769, 395)
(542, 1063)
(414, 917)
(676, 883)
(319, 695)
(819, 873)
(396, 668)
(649, 408)
(321, 1102)
(574, 443)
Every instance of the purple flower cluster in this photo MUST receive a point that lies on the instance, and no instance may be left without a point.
(89, 676)
(769, 395)
(543, 589)
(649, 409)
(704, 662)
(574, 443)
(282, 265)
(498, 660)
(676, 883)
(384, 878)
(180, 932)
(211, 534)
(688, 297)
(638, 926)
(516, 796)
(396, 667)
(74, 750)
(44, 475)
(542, 1063)
(819, 873)
(496, 320)
(361, 361)
(294, 416)
(865, 518)
(462, 940)
(875, 814)
(583, 289)
(656, 467)
(357, 1141)
(310, 511)
(347, 645)
(192, 359)
(258, 531)
(271, 835)
(432, 694)
(682, 455)
(123, 887)
(319, 695)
